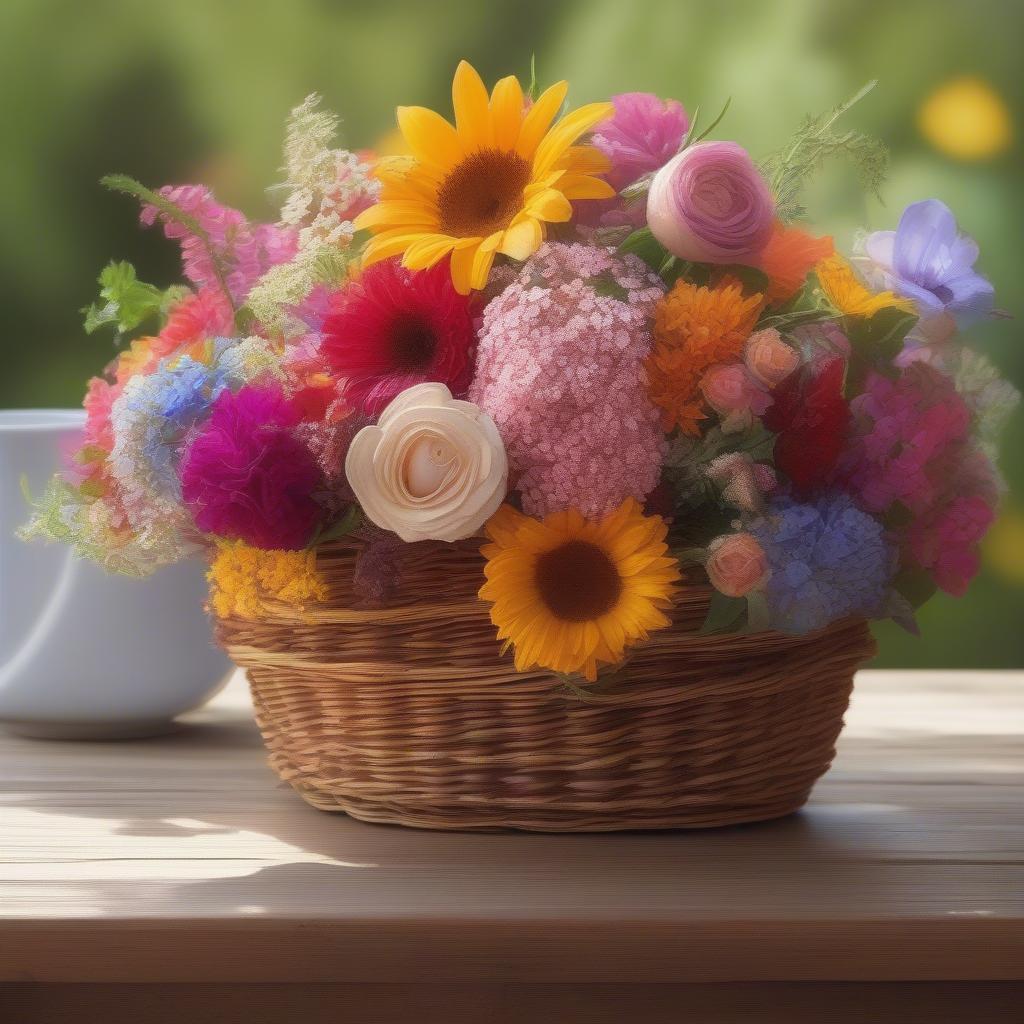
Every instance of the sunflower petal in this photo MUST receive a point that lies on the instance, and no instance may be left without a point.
(538, 119)
(557, 142)
(387, 244)
(472, 110)
(431, 138)
(507, 112)
(463, 256)
(397, 213)
(427, 250)
(550, 206)
(583, 186)
(522, 240)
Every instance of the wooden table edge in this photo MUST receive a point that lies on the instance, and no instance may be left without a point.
(510, 951)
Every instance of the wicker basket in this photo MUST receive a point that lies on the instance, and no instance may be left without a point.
(408, 714)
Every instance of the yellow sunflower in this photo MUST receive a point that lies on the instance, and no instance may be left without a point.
(845, 291)
(489, 184)
(568, 593)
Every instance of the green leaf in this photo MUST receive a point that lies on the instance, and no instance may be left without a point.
(128, 301)
(642, 243)
(339, 528)
(752, 278)
(532, 91)
(725, 614)
(605, 284)
(875, 343)
(692, 141)
(915, 585)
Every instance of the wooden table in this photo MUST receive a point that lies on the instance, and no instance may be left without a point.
(176, 880)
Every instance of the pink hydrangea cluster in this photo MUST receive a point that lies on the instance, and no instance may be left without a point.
(904, 431)
(243, 251)
(560, 371)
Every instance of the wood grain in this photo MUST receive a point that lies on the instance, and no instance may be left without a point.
(184, 860)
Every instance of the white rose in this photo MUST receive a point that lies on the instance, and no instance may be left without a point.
(433, 467)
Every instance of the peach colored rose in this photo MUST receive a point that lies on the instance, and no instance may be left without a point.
(432, 468)
(734, 394)
(769, 358)
(736, 564)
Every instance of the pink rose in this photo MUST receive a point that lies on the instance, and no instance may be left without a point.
(734, 394)
(710, 204)
(769, 358)
(736, 564)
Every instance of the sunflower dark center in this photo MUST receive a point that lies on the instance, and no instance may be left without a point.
(578, 581)
(413, 342)
(483, 193)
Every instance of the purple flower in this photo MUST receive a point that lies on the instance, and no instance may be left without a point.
(926, 259)
(710, 204)
(643, 134)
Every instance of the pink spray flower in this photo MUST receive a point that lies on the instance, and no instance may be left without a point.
(642, 135)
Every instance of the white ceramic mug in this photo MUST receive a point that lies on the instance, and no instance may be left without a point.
(85, 654)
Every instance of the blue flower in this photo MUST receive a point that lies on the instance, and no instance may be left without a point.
(926, 259)
(828, 559)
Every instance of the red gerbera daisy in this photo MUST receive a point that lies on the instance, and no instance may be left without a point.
(393, 328)
(811, 418)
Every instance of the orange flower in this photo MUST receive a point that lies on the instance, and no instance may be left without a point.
(695, 328)
(787, 259)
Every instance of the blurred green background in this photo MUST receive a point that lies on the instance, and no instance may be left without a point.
(198, 90)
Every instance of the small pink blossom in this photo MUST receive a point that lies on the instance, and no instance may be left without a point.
(560, 370)
(733, 392)
(744, 483)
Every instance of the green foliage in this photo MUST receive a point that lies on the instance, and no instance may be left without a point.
(725, 614)
(815, 141)
(606, 285)
(875, 342)
(642, 243)
(342, 527)
(127, 301)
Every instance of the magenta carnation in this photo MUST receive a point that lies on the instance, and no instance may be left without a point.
(903, 433)
(392, 328)
(643, 134)
(247, 476)
(560, 371)
(944, 538)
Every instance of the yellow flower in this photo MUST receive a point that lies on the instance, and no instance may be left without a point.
(489, 184)
(696, 327)
(569, 594)
(244, 579)
(1004, 546)
(967, 119)
(850, 297)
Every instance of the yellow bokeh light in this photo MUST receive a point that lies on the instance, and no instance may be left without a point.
(1004, 546)
(967, 119)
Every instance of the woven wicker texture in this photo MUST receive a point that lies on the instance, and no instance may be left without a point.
(407, 714)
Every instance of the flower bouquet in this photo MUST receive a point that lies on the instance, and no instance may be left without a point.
(549, 473)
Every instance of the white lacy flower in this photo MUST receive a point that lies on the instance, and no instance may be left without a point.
(433, 467)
